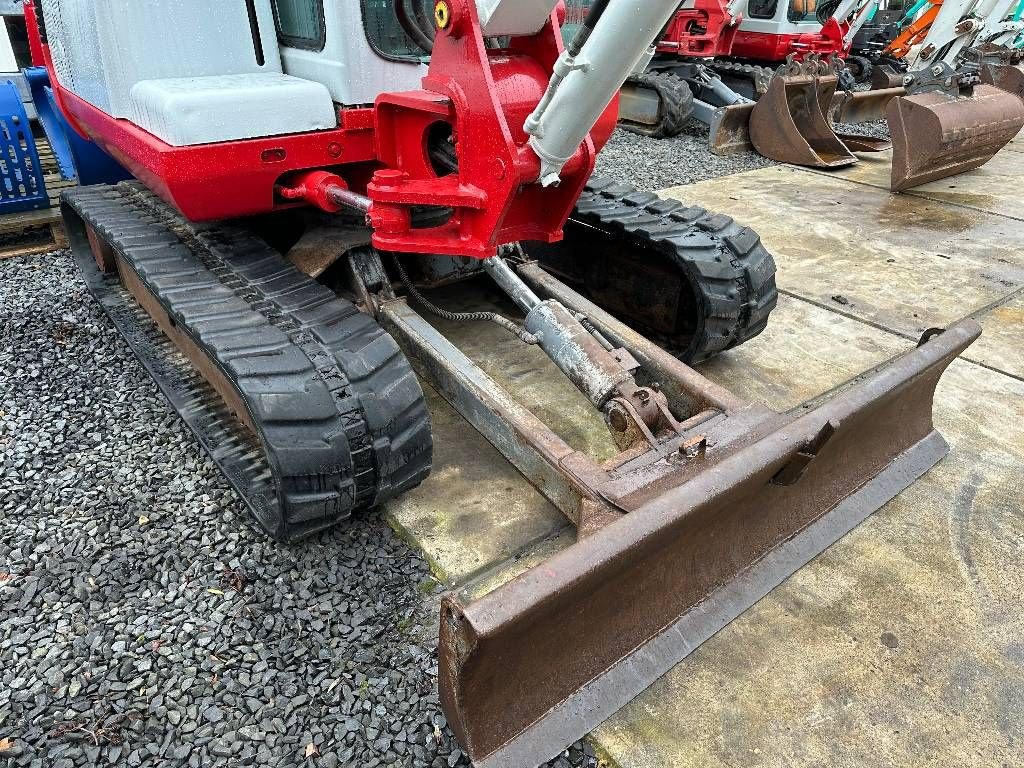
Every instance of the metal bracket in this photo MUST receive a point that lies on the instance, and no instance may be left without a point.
(795, 469)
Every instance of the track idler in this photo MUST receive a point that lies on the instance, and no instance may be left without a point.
(789, 124)
(949, 123)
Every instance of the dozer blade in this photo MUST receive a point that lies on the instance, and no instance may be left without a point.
(936, 134)
(1005, 77)
(544, 659)
(788, 124)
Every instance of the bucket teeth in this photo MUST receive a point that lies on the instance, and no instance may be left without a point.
(790, 122)
(936, 134)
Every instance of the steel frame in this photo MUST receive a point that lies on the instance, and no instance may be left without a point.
(673, 542)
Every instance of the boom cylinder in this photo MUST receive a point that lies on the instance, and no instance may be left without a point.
(583, 86)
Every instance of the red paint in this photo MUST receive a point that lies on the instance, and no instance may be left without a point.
(763, 47)
(35, 43)
(216, 181)
(485, 95)
(706, 30)
(312, 187)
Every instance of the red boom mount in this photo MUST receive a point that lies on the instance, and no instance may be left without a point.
(705, 30)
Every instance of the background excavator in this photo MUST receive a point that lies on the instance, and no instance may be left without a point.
(949, 116)
(715, 59)
(306, 172)
(941, 122)
(983, 38)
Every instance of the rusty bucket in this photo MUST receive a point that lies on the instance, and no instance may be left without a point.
(1005, 77)
(789, 124)
(947, 131)
(729, 129)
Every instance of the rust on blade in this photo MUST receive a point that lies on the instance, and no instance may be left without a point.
(789, 123)
(542, 660)
(936, 134)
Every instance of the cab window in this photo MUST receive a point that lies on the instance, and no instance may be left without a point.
(300, 23)
(762, 9)
(390, 37)
(803, 10)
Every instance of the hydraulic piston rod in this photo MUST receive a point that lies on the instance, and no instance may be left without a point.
(584, 83)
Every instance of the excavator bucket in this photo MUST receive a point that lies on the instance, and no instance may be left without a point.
(1005, 77)
(704, 532)
(789, 123)
(862, 106)
(937, 133)
(729, 129)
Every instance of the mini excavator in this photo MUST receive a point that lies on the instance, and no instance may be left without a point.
(304, 173)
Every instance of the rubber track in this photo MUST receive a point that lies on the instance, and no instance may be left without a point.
(341, 418)
(759, 75)
(731, 273)
(676, 100)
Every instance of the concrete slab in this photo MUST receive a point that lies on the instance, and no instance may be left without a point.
(901, 645)
(804, 352)
(901, 262)
(1017, 144)
(1002, 345)
(475, 510)
(995, 187)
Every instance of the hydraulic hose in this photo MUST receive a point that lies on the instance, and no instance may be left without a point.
(587, 29)
(412, 23)
(489, 317)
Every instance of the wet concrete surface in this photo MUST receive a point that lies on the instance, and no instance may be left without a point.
(1002, 345)
(993, 187)
(901, 644)
(898, 261)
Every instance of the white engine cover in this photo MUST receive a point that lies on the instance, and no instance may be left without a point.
(203, 110)
(187, 71)
(107, 46)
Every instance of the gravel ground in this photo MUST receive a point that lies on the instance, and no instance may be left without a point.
(877, 128)
(653, 164)
(145, 621)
